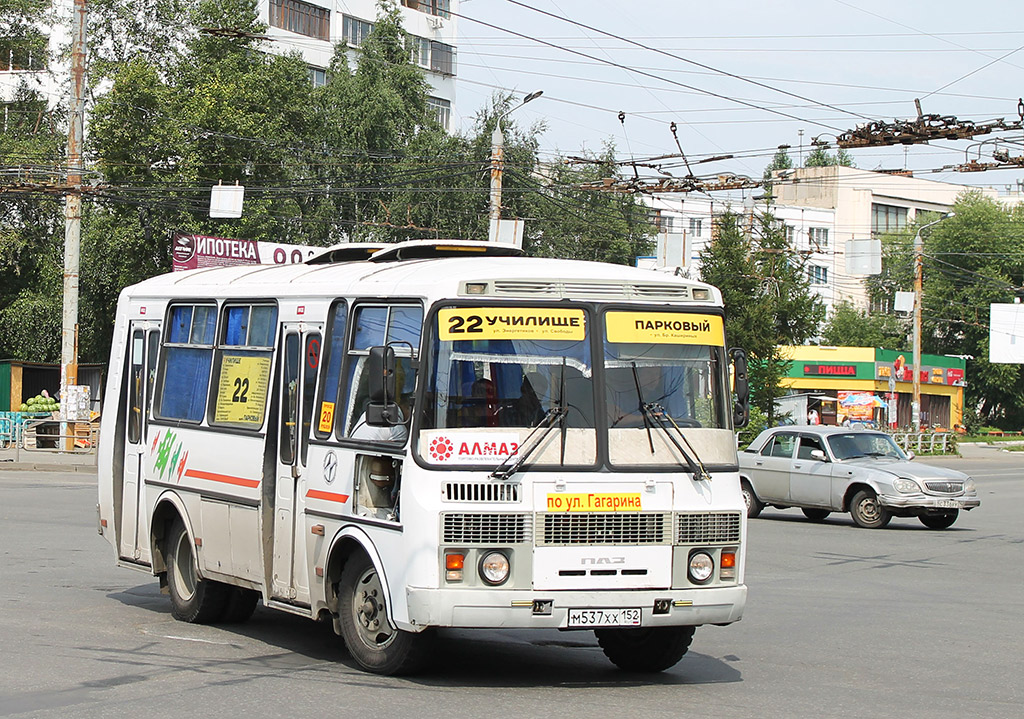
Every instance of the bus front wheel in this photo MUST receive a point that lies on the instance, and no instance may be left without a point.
(194, 600)
(372, 641)
(645, 650)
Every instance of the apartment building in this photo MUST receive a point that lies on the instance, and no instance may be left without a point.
(314, 27)
(822, 209)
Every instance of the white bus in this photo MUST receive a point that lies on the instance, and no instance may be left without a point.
(431, 434)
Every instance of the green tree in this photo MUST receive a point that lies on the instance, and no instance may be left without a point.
(767, 297)
(820, 157)
(851, 327)
(971, 261)
(780, 161)
(31, 223)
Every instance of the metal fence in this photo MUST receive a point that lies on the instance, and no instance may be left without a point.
(926, 442)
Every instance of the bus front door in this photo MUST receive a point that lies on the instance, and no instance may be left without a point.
(300, 358)
(143, 340)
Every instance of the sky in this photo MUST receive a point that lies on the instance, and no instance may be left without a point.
(842, 63)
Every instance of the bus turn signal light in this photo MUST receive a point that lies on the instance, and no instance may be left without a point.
(728, 565)
(453, 564)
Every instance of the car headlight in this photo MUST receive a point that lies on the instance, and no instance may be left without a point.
(494, 568)
(702, 566)
(905, 486)
(969, 487)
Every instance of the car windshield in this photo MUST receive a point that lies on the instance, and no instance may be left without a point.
(864, 444)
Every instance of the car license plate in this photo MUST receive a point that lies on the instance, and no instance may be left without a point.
(604, 617)
(949, 504)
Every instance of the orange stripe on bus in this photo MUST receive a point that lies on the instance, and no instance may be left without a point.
(329, 496)
(225, 478)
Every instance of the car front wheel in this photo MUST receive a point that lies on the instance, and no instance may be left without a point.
(940, 521)
(867, 512)
(754, 505)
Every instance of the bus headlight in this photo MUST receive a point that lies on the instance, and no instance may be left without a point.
(494, 568)
(701, 567)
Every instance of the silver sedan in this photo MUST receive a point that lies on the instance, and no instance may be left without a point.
(836, 469)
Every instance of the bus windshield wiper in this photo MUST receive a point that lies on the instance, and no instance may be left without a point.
(540, 430)
(654, 415)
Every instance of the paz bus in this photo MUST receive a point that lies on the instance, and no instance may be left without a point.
(403, 438)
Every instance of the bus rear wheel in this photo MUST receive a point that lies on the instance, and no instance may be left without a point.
(372, 641)
(194, 600)
(645, 650)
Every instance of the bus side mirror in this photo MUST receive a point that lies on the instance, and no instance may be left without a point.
(741, 388)
(382, 410)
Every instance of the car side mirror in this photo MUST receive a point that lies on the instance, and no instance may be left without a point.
(910, 455)
(741, 388)
(819, 454)
(382, 411)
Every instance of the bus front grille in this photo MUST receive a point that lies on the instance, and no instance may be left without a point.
(625, 528)
(485, 528)
(708, 528)
(481, 492)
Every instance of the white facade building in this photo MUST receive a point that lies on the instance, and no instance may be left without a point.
(822, 209)
(688, 222)
(314, 27)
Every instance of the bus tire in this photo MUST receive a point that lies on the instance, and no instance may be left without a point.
(240, 605)
(193, 600)
(376, 646)
(647, 649)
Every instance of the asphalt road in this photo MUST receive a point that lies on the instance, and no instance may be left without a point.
(841, 622)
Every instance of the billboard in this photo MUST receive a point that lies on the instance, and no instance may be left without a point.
(190, 252)
(1006, 333)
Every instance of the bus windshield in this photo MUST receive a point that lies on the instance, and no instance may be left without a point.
(674, 363)
(496, 372)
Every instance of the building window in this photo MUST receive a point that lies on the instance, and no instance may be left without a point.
(887, 218)
(301, 17)
(355, 31)
(27, 53)
(318, 76)
(442, 58)
(419, 51)
(819, 275)
(430, 7)
(819, 236)
(442, 110)
(695, 226)
(790, 234)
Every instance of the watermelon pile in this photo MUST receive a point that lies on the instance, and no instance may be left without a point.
(40, 403)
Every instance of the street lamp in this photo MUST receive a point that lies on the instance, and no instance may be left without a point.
(498, 155)
(915, 407)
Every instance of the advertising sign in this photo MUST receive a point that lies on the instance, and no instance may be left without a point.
(190, 252)
(509, 323)
(665, 328)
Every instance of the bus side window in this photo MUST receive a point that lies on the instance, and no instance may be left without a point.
(323, 422)
(184, 379)
(375, 325)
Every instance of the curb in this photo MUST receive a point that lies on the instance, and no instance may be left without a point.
(42, 467)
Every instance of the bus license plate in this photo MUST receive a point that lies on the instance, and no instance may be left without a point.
(604, 617)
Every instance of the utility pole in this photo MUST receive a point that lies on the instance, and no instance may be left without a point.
(498, 155)
(915, 406)
(73, 210)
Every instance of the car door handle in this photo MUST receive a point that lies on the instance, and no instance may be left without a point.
(797, 466)
(758, 463)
